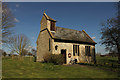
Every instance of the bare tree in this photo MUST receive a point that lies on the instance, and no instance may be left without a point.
(8, 21)
(111, 35)
(18, 43)
(24, 52)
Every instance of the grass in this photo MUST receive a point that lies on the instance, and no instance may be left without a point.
(15, 68)
(110, 63)
(107, 59)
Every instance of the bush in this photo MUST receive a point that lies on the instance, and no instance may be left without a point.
(52, 58)
(4, 54)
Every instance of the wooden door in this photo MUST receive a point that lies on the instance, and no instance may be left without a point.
(63, 52)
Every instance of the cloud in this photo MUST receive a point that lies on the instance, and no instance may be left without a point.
(93, 37)
(17, 5)
(16, 20)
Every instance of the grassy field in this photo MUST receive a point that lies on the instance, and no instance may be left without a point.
(109, 63)
(15, 68)
(106, 63)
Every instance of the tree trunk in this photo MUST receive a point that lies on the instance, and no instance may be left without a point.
(118, 49)
(118, 61)
(94, 56)
(118, 58)
(118, 54)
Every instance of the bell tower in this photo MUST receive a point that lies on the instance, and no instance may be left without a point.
(48, 22)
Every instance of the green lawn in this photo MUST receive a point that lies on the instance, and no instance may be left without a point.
(107, 60)
(109, 63)
(15, 68)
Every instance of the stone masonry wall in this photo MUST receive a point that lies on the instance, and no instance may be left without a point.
(43, 45)
(43, 23)
(69, 49)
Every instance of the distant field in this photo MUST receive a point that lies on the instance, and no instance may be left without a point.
(107, 59)
(26, 68)
(110, 63)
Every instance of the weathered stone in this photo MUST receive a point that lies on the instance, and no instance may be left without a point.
(47, 42)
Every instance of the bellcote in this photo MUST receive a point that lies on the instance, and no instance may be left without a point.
(48, 22)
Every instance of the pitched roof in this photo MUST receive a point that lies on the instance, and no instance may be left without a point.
(51, 19)
(48, 17)
(70, 34)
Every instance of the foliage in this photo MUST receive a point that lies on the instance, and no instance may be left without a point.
(52, 58)
(9, 55)
(4, 53)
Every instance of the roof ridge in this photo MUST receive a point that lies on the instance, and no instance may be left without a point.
(48, 17)
(45, 15)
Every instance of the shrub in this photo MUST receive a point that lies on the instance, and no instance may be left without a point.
(52, 58)
(4, 54)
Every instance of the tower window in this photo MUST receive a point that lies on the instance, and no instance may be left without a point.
(52, 27)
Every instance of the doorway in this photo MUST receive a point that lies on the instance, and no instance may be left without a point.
(63, 52)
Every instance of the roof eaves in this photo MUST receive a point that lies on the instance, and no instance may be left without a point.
(88, 36)
(75, 41)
